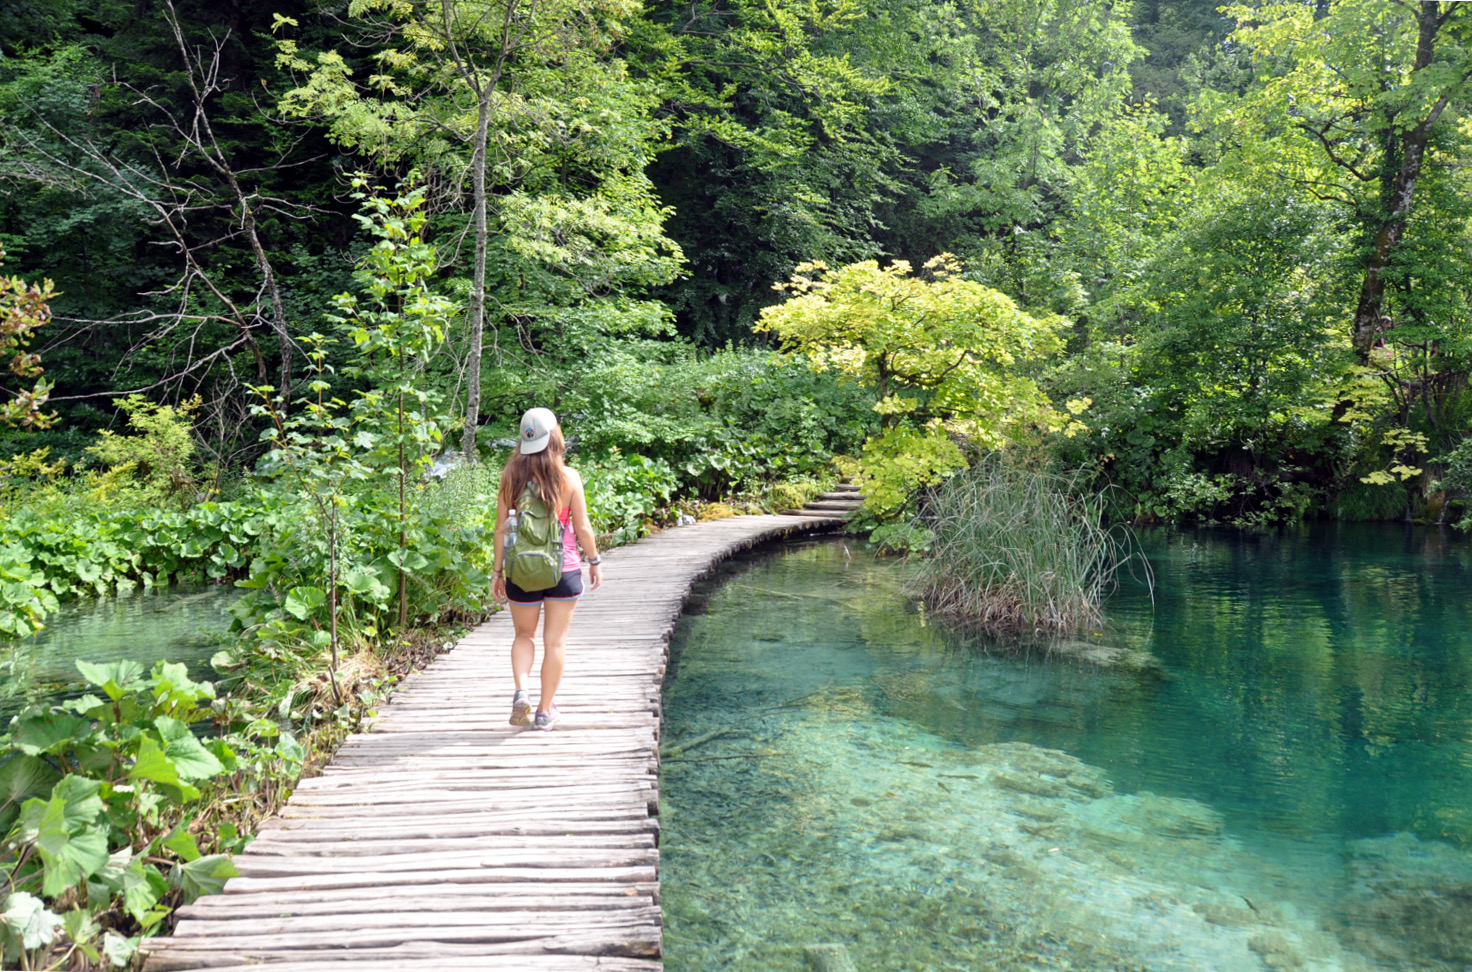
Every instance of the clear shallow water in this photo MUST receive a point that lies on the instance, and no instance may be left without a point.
(1269, 769)
(179, 624)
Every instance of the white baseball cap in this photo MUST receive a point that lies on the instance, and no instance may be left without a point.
(536, 429)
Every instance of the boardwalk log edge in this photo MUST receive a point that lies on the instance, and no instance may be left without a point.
(440, 837)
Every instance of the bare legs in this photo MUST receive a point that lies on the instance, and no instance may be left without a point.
(554, 637)
(523, 644)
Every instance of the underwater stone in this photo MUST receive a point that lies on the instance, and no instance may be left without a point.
(1225, 916)
(1037, 810)
(829, 958)
(1091, 783)
(1275, 950)
(1138, 820)
(1411, 903)
(1044, 772)
(1026, 783)
(1170, 816)
(1002, 855)
(1106, 655)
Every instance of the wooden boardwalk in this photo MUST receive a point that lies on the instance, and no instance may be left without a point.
(443, 838)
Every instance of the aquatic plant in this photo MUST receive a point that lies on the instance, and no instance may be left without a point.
(1018, 547)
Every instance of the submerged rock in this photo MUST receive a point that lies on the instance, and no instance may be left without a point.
(1105, 655)
(1410, 902)
(829, 958)
(1144, 818)
(1275, 950)
(1043, 772)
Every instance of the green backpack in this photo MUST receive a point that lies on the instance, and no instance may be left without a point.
(534, 545)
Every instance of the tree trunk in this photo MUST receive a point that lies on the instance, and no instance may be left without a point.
(478, 279)
(1399, 191)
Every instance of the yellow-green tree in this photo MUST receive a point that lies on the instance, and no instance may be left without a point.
(944, 355)
(24, 307)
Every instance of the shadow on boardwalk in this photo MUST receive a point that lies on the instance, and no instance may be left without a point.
(443, 837)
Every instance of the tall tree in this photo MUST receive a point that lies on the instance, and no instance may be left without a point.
(1349, 103)
(519, 101)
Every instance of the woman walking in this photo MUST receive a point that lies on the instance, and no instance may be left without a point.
(536, 472)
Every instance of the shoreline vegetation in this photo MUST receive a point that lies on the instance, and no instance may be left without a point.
(1016, 548)
(126, 802)
(280, 278)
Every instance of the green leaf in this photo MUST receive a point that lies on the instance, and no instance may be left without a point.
(174, 690)
(207, 875)
(67, 857)
(47, 732)
(119, 950)
(191, 760)
(87, 705)
(140, 885)
(183, 844)
(80, 926)
(23, 777)
(302, 601)
(152, 763)
(81, 800)
(360, 581)
(116, 679)
(112, 876)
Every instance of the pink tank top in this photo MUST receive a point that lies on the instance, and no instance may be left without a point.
(570, 559)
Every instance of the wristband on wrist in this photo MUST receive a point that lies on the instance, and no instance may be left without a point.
(595, 560)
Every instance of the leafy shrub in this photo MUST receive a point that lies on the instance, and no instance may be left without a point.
(102, 551)
(25, 598)
(1371, 501)
(158, 458)
(445, 560)
(623, 492)
(791, 495)
(716, 511)
(1017, 548)
(721, 423)
(97, 797)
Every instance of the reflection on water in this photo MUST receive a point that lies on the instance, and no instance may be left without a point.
(179, 624)
(1271, 769)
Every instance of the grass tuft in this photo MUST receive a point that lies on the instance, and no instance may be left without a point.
(1019, 549)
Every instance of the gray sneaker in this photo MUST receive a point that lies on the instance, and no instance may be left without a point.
(521, 709)
(546, 720)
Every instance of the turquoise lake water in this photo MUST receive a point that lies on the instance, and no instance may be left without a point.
(181, 624)
(1267, 766)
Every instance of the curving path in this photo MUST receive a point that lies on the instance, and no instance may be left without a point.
(442, 838)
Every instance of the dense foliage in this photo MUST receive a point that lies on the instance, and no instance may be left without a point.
(1257, 258)
(293, 271)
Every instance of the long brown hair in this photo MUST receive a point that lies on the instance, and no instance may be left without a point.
(543, 469)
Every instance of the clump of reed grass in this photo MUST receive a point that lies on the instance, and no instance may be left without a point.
(1019, 549)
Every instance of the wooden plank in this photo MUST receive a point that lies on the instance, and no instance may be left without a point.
(443, 838)
(463, 959)
(627, 937)
(617, 876)
(443, 896)
(329, 845)
(484, 926)
(450, 955)
(268, 865)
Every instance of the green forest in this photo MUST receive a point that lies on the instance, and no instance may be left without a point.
(279, 280)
